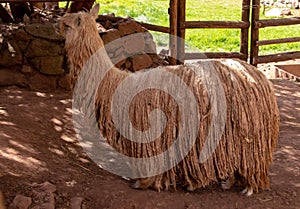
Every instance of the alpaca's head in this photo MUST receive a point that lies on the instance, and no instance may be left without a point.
(82, 39)
(71, 25)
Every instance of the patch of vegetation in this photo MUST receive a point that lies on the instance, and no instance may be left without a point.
(156, 12)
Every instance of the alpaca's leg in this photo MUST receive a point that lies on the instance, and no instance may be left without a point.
(248, 191)
(227, 184)
(143, 183)
(192, 187)
(136, 184)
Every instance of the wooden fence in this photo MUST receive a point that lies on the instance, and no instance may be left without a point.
(178, 26)
(257, 23)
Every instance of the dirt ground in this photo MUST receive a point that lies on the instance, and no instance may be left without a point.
(41, 160)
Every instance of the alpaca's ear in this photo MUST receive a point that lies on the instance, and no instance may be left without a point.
(78, 20)
(95, 11)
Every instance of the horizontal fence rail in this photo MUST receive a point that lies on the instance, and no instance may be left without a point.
(204, 55)
(257, 24)
(157, 28)
(277, 57)
(277, 41)
(276, 22)
(214, 24)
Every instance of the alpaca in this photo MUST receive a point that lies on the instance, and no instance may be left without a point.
(251, 127)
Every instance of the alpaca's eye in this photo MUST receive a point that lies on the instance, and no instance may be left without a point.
(66, 26)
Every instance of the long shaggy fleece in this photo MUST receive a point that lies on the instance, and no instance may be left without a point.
(251, 129)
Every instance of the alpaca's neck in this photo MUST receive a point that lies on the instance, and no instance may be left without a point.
(81, 48)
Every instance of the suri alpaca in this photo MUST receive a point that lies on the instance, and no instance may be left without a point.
(251, 126)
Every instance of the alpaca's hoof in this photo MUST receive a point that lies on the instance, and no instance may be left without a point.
(126, 178)
(190, 188)
(227, 184)
(248, 191)
(136, 185)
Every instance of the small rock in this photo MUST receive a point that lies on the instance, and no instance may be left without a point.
(52, 65)
(48, 187)
(134, 43)
(41, 48)
(107, 24)
(150, 44)
(27, 69)
(22, 202)
(50, 204)
(140, 62)
(118, 59)
(46, 31)
(44, 195)
(21, 35)
(11, 54)
(76, 203)
(128, 27)
(110, 35)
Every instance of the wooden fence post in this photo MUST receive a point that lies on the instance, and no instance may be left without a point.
(181, 31)
(173, 14)
(245, 31)
(254, 32)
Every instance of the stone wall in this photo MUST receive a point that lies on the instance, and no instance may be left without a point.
(33, 55)
(129, 45)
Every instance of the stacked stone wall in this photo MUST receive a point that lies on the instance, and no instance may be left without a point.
(33, 55)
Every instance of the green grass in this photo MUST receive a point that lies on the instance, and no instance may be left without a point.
(218, 40)
(154, 11)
